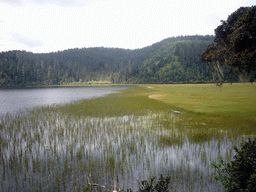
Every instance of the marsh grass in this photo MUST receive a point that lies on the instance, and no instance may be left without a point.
(236, 100)
(115, 141)
(125, 103)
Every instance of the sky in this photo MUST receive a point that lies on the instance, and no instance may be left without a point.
(42, 26)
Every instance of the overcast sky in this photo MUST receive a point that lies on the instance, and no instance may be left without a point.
(51, 25)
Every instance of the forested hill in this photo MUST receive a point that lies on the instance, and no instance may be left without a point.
(172, 60)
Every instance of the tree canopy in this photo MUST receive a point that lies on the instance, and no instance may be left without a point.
(172, 60)
(234, 46)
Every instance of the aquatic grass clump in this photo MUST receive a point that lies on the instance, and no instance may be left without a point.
(170, 140)
(201, 137)
(44, 150)
(125, 103)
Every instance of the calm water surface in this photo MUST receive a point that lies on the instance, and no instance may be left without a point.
(13, 100)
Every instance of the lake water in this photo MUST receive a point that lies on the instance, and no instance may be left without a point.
(43, 150)
(13, 100)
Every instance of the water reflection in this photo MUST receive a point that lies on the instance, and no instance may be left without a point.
(12, 100)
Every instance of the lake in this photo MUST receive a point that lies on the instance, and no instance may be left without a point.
(13, 100)
(57, 149)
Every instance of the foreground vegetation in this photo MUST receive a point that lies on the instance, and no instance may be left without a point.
(117, 140)
(239, 174)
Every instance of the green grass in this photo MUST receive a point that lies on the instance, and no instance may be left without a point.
(227, 107)
(131, 101)
(232, 100)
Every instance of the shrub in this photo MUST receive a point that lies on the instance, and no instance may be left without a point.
(148, 186)
(239, 174)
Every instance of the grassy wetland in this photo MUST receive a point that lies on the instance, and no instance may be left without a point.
(117, 140)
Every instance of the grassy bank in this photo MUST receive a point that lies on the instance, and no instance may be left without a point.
(132, 101)
(232, 106)
(234, 100)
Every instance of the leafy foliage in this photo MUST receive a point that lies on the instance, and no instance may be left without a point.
(148, 186)
(234, 46)
(240, 174)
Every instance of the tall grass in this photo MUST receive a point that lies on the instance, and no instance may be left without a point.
(44, 151)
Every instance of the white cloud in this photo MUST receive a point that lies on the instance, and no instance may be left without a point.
(12, 2)
(45, 2)
(26, 40)
(130, 24)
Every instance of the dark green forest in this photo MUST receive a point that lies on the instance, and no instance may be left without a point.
(173, 60)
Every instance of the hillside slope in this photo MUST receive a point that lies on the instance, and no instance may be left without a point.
(172, 60)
